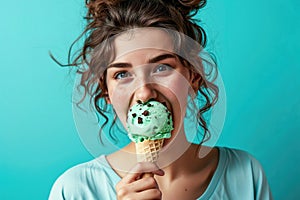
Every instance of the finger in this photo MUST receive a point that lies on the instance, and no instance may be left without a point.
(147, 167)
(143, 184)
(147, 175)
(141, 168)
(149, 194)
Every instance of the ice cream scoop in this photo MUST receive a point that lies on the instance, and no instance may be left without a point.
(149, 121)
(148, 125)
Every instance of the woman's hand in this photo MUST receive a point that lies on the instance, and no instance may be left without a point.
(137, 186)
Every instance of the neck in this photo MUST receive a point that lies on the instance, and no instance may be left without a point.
(177, 158)
(188, 163)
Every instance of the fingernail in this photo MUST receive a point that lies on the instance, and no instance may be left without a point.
(162, 172)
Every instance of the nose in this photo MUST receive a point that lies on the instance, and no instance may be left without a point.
(145, 93)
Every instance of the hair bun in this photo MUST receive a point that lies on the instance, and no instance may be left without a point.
(187, 7)
(96, 8)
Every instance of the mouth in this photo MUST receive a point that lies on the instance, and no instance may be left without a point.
(162, 102)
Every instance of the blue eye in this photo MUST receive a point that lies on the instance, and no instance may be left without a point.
(162, 68)
(122, 75)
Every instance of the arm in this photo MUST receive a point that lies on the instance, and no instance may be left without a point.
(261, 187)
(57, 192)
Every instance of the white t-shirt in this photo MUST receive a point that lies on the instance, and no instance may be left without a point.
(238, 176)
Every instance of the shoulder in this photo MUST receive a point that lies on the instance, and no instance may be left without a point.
(244, 171)
(81, 172)
(237, 156)
(237, 159)
(82, 181)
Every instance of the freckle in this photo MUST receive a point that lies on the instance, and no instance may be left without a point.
(185, 189)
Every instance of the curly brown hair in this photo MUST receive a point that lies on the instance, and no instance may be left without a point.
(108, 18)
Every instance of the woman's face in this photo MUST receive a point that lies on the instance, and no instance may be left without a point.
(145, 68)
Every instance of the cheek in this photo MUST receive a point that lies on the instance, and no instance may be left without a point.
(176, 90)
(180, 100)
(119, 100)
(180, 88)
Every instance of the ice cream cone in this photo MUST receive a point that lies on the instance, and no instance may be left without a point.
(148, 150)
(148, 125)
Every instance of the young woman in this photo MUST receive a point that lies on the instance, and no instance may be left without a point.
(140, 51)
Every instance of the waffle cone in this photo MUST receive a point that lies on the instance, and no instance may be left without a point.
(148, 150)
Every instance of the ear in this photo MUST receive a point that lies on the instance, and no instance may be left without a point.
(107, 99)
(102, 84)
(195, 81)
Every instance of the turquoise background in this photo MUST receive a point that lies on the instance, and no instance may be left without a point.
(257, 44)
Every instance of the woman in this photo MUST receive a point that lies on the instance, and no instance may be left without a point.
(141, 51)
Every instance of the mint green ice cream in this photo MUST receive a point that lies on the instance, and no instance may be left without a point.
(149, 121)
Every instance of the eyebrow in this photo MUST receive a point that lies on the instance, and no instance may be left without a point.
(161, 57)
(151, 60)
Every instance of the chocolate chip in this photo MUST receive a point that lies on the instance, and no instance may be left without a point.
(146, 113)
(142, 140)
(140, 120)
(155, 127)
(134, 115)
(149, 105)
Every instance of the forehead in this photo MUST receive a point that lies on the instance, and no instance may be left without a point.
(142, 38)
